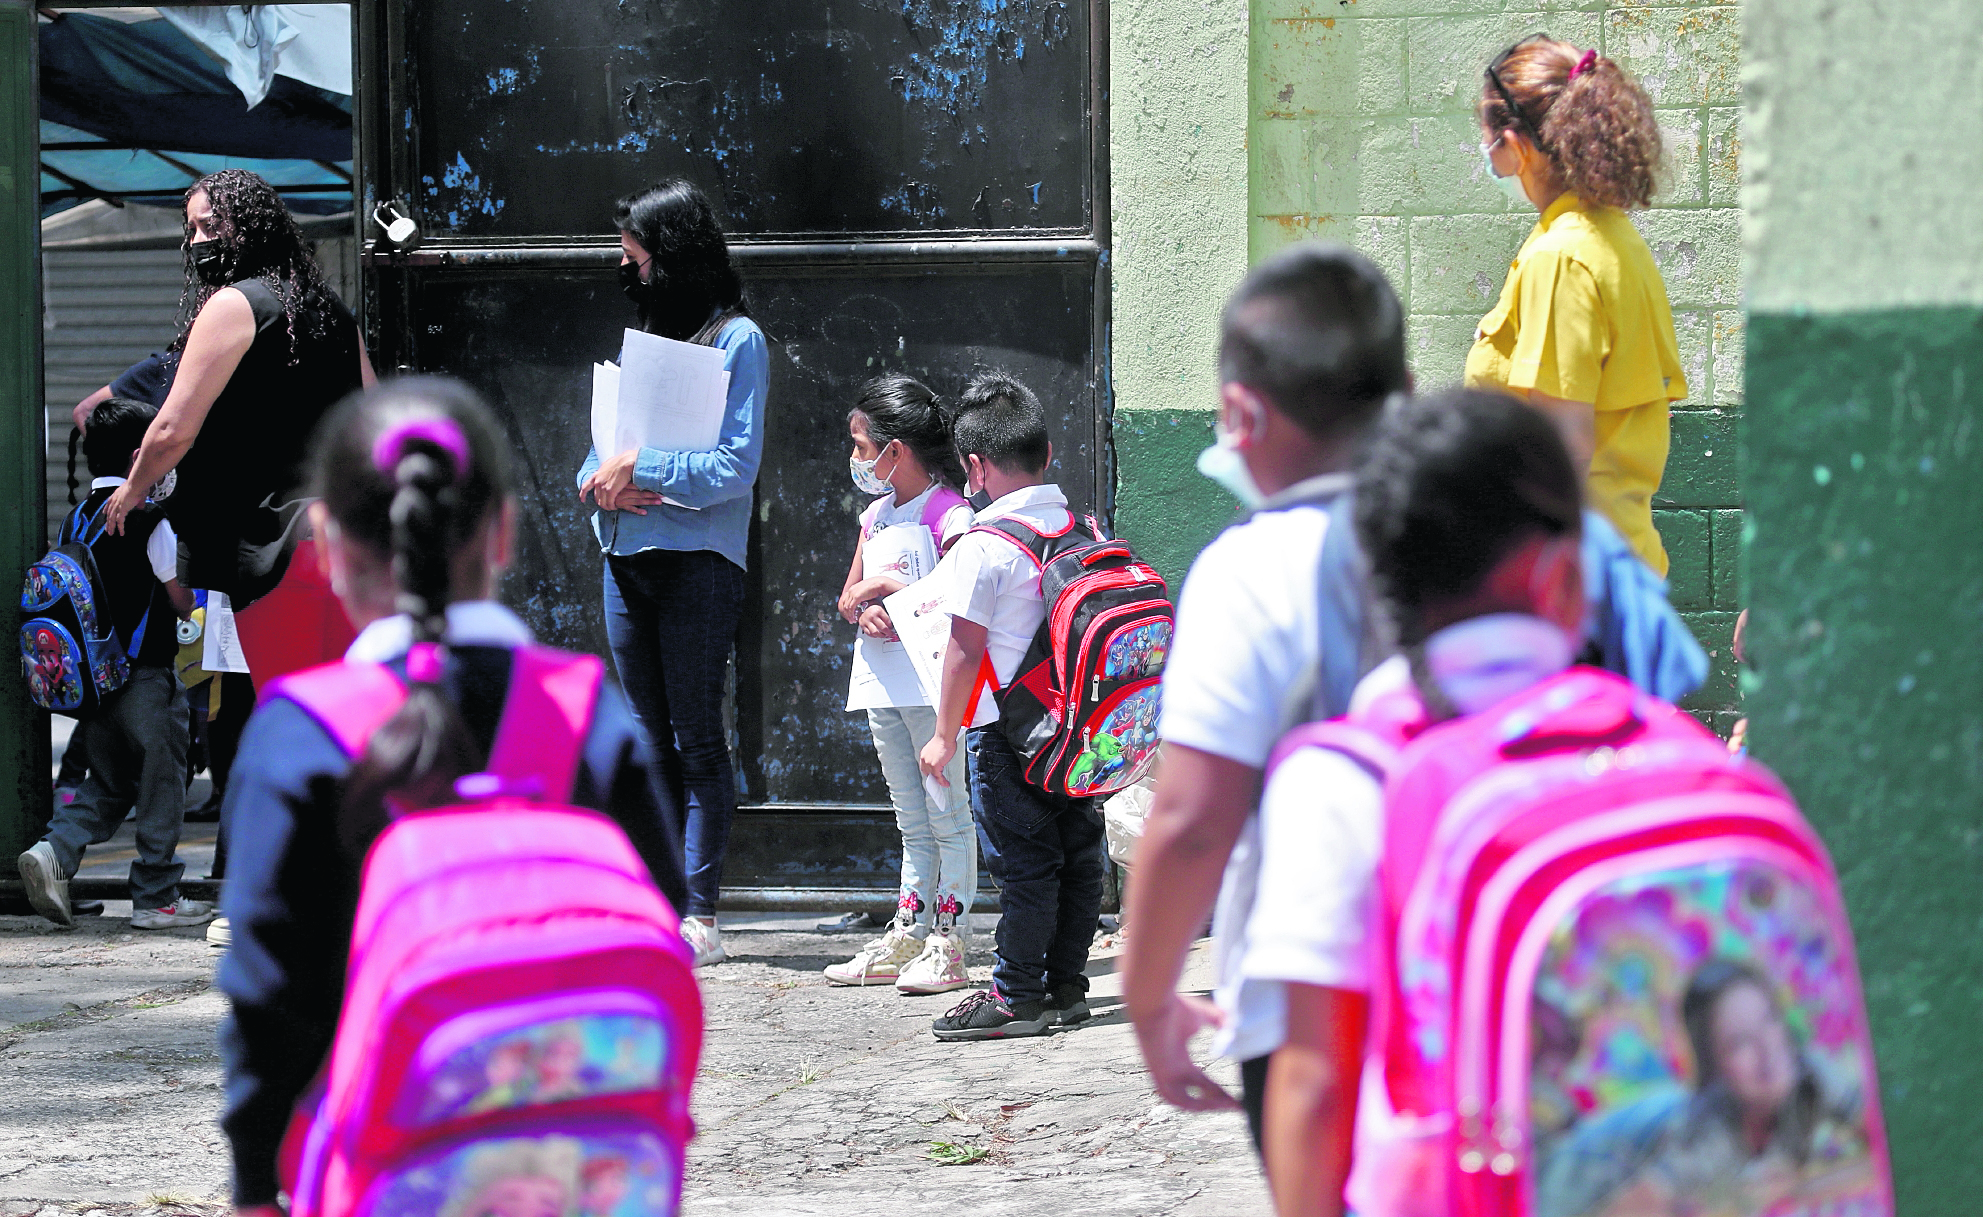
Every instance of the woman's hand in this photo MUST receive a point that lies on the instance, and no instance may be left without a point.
(635, 501)
(875, 623)
(123, 501)
(612, 481)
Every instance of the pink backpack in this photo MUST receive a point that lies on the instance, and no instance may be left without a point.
(1613, 972)
(521, 1021)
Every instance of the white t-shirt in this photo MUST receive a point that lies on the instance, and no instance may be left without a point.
(1241, 671)
(996, 584)
(884, 512)
(161, 548)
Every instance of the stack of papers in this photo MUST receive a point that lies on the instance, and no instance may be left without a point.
(883, 676)
(663, 394)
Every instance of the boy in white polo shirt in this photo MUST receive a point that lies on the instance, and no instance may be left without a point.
(1044, 849)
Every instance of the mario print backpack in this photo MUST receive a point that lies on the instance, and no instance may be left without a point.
(1612, 973)
(521, 1023)
(1081, 711)
(69, 648)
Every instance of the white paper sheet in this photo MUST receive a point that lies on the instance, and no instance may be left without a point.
(606, 416)
(222, 643)
(882, 675)
(672, 395)
(924, 628)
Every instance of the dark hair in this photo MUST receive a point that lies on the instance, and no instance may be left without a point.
(1317, 331)
(422, 509)
(898, 407)
(693, 288)
(1451, 484)
(1798, 1117)
(1000, 420)
(1597, 129)
(117, 428)
(261, 241)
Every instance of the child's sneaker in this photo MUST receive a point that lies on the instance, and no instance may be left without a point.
(986, 1016)
(1070, 1002)
(47, 890)
(939, 969)
(705, 940)
(880, 962)
(178, 913)
(220, 935)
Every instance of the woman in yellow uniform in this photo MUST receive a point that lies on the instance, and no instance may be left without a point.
(1582, 329)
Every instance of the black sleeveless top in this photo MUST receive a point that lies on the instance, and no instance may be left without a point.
(237, 506)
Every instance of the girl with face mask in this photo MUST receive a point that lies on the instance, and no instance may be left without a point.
(673, 528)
(1583, 329)
(903, 453)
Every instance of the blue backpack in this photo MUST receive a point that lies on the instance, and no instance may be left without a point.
(69, 647)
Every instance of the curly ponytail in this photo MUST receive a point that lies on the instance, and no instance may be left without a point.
(412, 470)
(1591, 119)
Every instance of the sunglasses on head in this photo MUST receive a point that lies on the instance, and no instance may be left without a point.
(1507, 98)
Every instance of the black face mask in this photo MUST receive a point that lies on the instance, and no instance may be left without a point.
(210, 263)
(631, 284)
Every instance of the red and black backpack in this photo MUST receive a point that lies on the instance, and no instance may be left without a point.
(1081, 711)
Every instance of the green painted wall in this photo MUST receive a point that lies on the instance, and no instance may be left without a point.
(1362, 130)
(23, 732)
(1863, 467)
(1177, 149)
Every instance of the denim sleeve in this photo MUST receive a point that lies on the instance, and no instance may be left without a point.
(283, 973)
(1634, 626)
(616, 777)
(589, 467)
(729, 471)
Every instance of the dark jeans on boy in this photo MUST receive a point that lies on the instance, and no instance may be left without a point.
(1047, 857)
(671, 619)
(136, 748)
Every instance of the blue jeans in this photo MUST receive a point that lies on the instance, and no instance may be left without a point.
(671, 619)
(939, 844)
(1047, 857)
(135, 746)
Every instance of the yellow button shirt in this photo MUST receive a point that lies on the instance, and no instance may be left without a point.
(1584, 317)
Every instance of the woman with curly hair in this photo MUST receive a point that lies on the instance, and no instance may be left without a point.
(1583, 329)
(265, 350)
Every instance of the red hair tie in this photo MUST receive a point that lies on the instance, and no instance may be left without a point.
(1585, 64)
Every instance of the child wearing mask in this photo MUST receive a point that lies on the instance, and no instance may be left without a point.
(903, 453)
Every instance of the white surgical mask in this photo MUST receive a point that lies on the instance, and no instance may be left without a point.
(865, 479)
(1225, 464)
(1510, 185)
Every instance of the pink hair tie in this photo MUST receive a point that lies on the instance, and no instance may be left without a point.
(423, 663)
(443, 433)
(1585, 64)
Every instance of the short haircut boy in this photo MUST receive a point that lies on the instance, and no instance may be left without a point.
(1316, 330)
(117, 429)
(1001, 421)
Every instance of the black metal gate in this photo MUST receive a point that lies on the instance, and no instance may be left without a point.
(909, 184)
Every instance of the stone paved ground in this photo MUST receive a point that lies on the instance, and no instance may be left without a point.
(812, 1100)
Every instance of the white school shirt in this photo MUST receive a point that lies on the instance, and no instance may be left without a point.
(161, 548)
(1241, 671)
(885, 512)
(992, 582)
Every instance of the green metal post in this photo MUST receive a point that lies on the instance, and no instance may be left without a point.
(24, 796)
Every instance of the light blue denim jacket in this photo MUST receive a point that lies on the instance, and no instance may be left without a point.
(717, 482)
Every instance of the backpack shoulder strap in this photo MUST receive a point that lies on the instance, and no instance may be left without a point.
(1377, 755)
(942, 501)
(1342, 616)
(348, 699)
(1041, 546)
(546, 718)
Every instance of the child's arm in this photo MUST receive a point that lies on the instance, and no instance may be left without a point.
(181, 598)
(961, 661)
(1310, 1109)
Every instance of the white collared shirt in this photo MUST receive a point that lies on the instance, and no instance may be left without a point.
(471, 623)
(996, 584)
(161, 548)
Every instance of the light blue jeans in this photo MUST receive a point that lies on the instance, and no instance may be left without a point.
(939, 841)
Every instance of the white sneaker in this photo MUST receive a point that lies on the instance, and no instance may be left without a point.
(940, 967)
(705, 940)
(182, 912)
(220, 935)
(880, 961)
(48, 891)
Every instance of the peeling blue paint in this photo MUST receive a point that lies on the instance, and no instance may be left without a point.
(967, 36)
(474, 196)
(1035, 188)
(917, 200)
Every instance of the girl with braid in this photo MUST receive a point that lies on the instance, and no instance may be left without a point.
(417, 522)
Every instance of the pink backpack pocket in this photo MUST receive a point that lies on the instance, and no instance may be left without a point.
(1615, 977)
(521, 1023)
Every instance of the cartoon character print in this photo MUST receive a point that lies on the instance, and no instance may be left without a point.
(605, 1174)
(49, 659)
(570, 1058)
(1139, 653)
(1119, 748)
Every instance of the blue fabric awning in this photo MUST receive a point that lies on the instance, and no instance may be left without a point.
(139, 112)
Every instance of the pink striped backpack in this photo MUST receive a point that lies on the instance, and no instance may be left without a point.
(1613, 973)
(521, 1022)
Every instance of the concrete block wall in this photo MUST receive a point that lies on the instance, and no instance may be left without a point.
(1361, 129)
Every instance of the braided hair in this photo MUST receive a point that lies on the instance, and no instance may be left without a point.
(261, 241)
(898, 407)
(413, 470)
